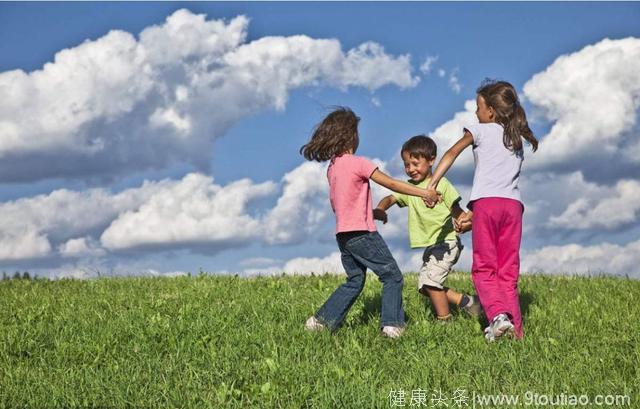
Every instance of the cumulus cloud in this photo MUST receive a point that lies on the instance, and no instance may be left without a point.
(81, 247)
(189, 212)
(592, 97)
(33, 227)
(427, 64)
(604, 258)
(447, 134)
(193, 213)
(615, 207)
(121, 104)
(303, 206)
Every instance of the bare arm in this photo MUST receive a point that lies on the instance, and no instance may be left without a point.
(380, 212)
(449, 157)
(456, 210)
(390, 183)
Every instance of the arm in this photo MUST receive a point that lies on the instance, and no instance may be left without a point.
(456, 210)
(390, 183)
(448, 159)
(380, 212)
(461, 219)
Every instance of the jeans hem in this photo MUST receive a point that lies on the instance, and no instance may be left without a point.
(393, 324)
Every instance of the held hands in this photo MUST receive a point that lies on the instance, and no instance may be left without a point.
(463, 223)
(432, 197)
(379, 214)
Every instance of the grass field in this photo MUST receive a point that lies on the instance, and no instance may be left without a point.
(217, 342)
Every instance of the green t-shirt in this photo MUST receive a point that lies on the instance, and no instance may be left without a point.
(428, 226)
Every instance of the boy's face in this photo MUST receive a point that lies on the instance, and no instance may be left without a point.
(418, 168)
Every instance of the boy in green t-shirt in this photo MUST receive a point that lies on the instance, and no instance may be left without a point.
(432, 228)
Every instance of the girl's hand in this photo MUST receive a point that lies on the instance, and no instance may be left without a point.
(463, 223)
(379, 214)
(432, 197)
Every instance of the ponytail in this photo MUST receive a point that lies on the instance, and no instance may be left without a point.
(516, 127)
(502, 97)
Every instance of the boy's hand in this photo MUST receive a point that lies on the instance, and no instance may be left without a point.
(463, 223)
(432, 197)
(379, 214)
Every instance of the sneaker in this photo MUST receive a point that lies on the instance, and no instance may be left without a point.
(392, 332)
(488, 334)
(473, 307)
(500, 325)
(312, 324)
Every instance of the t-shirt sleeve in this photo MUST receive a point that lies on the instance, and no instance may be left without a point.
(401, 199)
(365, 168)
(449, 193)
(475, 131)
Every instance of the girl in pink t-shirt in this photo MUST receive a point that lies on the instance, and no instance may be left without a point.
(361, 247)
(495, 201)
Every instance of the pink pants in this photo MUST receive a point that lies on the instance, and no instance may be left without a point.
(496, 234)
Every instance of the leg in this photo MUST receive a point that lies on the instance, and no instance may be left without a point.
(453, 297)
(509, 261)
(485, 261)
(437, 262)
(439, 302)
(371, 251)
(334, 310)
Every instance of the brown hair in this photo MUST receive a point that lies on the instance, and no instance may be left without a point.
(502, 97)
(420, 146)
(336, 134)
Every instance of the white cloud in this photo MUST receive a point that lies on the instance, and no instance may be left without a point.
(301, 265)
(609, 209)
(257, 261)
(23, 242)
(454, 81)
(190, 211)
(447, 134)
(119, 104)
(592, 97)
(169, 214)
(33, 227)
(303, 206)
(427, 64)
(578, 259)
(81, 247)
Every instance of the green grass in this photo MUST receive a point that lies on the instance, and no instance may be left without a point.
(231, 342)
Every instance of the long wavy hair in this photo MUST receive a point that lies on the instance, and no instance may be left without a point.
(502, 97)
(336, 134)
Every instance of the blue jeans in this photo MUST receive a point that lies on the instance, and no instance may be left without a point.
(359, 251)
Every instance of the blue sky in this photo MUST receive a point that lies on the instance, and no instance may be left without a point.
(163, 138)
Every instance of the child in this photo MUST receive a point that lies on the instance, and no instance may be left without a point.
(495, 202)
(361, 247)
(431, 229)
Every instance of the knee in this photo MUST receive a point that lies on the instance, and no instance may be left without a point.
(356, 281)
(392, 273)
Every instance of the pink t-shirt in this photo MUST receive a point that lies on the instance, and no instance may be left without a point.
(350, 193)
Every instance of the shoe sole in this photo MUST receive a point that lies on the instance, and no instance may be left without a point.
(488, 335)
(504, 330)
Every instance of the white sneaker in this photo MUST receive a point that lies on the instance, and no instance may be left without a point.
(312, 324)
(488, 334)
(392, 332)
(501, 325)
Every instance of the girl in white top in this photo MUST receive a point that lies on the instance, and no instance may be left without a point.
(495, 201)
